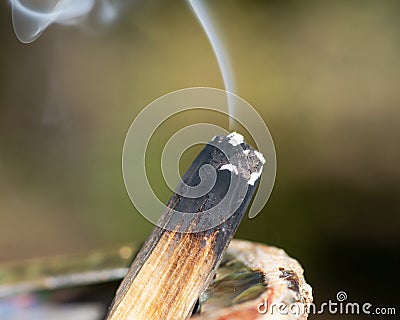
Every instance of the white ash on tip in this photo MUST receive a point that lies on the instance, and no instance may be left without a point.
(245, 162)
(257, 159)
(235, 138)
(230, 167)
(260, 156)
(254, 177)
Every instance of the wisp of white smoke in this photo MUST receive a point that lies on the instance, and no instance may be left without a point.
(31, 18)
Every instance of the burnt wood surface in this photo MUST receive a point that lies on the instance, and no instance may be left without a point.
(175, 264)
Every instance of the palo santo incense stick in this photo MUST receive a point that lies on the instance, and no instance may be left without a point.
(179, 259)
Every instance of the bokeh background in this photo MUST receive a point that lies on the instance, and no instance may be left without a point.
(324, 75)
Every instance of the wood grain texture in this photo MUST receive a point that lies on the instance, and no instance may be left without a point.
(175, 265)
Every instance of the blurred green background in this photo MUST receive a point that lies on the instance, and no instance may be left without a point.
(324, 75)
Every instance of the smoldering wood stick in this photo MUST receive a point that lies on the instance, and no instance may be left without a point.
(179, 259)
